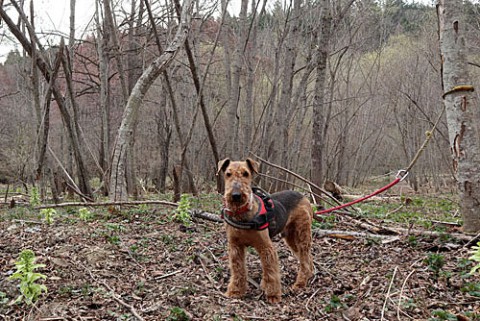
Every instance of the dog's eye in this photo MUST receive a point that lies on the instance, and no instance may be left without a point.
(246, 174)
(228, 174)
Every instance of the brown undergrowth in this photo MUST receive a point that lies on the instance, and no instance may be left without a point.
(139, 264)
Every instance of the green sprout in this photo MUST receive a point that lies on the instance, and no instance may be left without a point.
(475, 257)
(34, 197)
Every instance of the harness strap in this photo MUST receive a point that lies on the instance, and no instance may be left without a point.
(262, 218)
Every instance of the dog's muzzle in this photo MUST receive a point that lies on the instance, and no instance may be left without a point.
(236, 194)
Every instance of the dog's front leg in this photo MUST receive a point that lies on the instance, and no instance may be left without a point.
(238, 271)
(271, 281)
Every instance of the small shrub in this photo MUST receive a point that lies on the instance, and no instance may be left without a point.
(48, 214)
(26, 274)
(85, 214)
(182, 213)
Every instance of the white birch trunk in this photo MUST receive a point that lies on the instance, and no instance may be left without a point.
(462, 111)
(118, 191)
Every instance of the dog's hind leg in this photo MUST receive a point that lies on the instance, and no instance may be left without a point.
(298, 236)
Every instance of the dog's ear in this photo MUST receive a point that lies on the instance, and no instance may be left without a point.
(253, 165)
(222, 165)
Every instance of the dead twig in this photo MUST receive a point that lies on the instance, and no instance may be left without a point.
(310, 299)
(400, 297)
(302, 179)
(164, 276)
(115, 296)
(206, 272)
(388, 294)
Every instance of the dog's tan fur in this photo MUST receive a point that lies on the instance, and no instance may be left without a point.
(297, 234)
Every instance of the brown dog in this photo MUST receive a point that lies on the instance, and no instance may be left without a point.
(252, 220)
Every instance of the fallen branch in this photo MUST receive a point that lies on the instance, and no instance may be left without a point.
(207, 216)
(458, 236)
(99, 204)
(385, 233)
(350, 235)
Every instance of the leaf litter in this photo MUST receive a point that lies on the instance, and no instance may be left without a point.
(130, 267)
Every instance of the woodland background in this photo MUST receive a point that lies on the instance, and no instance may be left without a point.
(254, 78)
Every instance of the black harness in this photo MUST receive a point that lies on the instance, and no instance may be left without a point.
(262, 218)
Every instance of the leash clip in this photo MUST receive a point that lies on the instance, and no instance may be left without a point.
(402, 174)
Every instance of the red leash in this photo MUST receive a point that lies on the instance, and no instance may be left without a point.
(400, 177)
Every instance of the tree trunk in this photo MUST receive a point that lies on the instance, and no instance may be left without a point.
(104, 71)
(118, 189)
(281, 140)
(462, 112)
(319, 113)
(250, 58)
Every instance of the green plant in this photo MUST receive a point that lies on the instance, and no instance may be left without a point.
(182, 213)
(439, 315)
(26, 274)
(115, 227)
(327, 222)
(177, 314)
(412, 240)
(475, 257)
(334, 304)
(34, 197)
(435, 263)
(85, 214)
(48, 214)
(472, 288)
(3, 298)
(113, 239)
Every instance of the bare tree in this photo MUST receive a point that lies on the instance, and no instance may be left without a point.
(118, 189)
(48, 72)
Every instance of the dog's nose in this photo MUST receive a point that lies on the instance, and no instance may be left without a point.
(236, 197)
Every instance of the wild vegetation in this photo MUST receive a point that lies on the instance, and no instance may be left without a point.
(156, 263)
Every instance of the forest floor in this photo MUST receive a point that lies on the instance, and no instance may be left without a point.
(140, 264)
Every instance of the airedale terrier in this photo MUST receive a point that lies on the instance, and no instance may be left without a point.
(252, 220)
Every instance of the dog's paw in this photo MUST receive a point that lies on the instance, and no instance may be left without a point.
(272, 299)
(298, 286)
(234, 294)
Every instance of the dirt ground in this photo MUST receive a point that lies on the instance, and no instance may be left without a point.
(139, 264)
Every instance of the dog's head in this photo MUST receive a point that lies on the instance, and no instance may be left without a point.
(238, 178)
